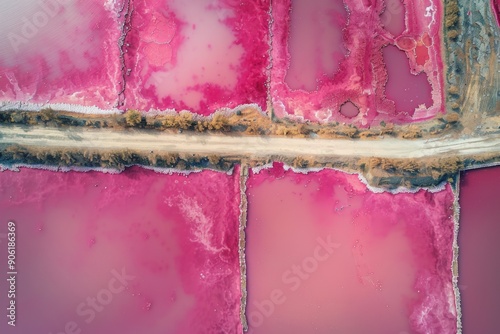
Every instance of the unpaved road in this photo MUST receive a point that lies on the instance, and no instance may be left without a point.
(249, 146)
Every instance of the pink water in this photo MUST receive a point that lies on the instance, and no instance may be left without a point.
(408, 91)
(56, 51)
(315, 42)
(393, 17)
(349, 110)
(495, 8)
(163, 54)
(138, 252)
(479, 248)
(323, 58)
(197, 55)
(208, 55)
(327, 255)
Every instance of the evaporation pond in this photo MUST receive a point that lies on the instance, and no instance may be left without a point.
(479, 248)
(383, 57)
(55, 51)
(136, 252)
(327, 255)
(315, 42)
(197, 55)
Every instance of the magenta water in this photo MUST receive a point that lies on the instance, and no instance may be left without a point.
(330, 52)
(327, 255)
(55, 51)
(136, 252)
(495, 8)
(197, 55)
(479, 269)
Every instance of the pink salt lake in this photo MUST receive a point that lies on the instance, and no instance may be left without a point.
(136, 252)
(150, 55)
(211, 55)
(327, 255)
(197, 55)
(479, 248)
(380, 60)
(60, 52)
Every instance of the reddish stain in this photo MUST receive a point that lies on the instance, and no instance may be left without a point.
(422, 54)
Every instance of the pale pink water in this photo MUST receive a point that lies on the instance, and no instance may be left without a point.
(393, 17)
(407, 90)
(60, 52)
(173, 240)
(326, 255)
(163, 54)
(315, 42)
(348, 109)
(197, 55)
(479, 248)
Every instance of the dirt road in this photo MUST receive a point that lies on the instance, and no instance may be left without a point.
(249, 146)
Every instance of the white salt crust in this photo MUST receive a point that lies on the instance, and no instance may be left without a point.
(36, 107)
(438, 188)
(90, 110)
(168, 171)
(456, 225)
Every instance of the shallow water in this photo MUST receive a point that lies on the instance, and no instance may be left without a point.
(315, 42)
(327, 255)
(55, 51)
(407, 90)
(137, 252)
(197, 55)
(393, 17)
(478, 241)
(328, 53)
